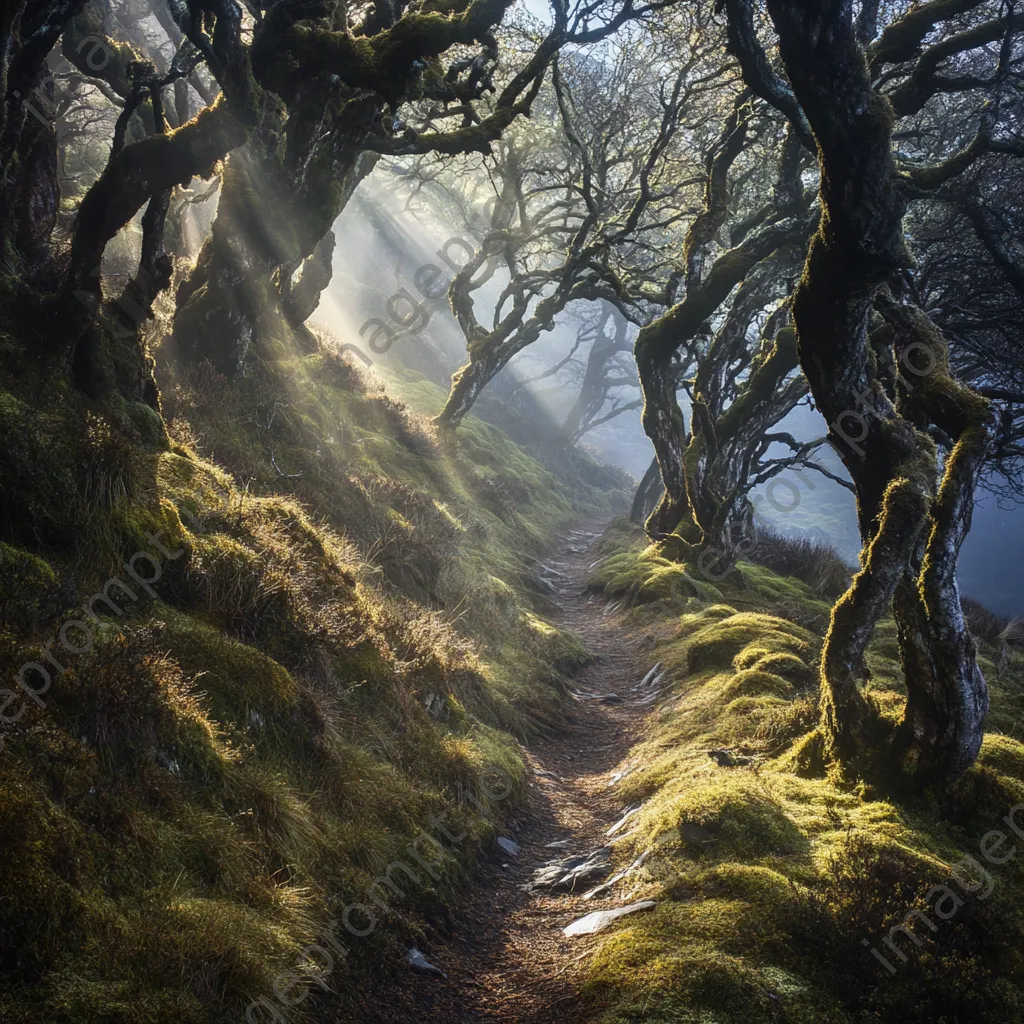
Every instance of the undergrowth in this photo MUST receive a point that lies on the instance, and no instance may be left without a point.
(774, 880)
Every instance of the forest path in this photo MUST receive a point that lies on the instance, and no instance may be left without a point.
(506, 958)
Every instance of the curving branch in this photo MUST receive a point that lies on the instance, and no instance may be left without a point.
(757, 70)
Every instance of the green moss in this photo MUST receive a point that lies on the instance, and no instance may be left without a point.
(753, 682)
(742, 819)
(1004, 755)
(769, 873)
(718, 644)
(643, 576)
(28, 587)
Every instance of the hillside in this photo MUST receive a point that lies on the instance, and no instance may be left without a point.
(788, 892)
(253, 658)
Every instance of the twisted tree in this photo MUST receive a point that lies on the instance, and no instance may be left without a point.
(878, 367)
(304, 94)
(706, 471)
(570, 214)
(606, 371)
(357, 82)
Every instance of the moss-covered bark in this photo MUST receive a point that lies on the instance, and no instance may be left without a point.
(490, 351)
(911, 528)
(740, 390)
(263, 229)
(947, 695)
(656, 349)
(341, 88)
(29, 196)
(36, 198)
(302, 296)
(647, 494)
(726, 444)
(143, 169)
(467, 383)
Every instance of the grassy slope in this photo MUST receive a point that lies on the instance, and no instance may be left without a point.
(771, 874)
(346, 646)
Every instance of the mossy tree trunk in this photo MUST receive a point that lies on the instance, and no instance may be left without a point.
(28, 178)
(947, 698)
(265, 227)
(35, 200)
(341, 90)
(467, 384)
(490, 351)
(301, 294)
(658, 349)
(109, 355)
(647, 495)
(731, 421)
(99, 340)
(670, 345)
(725, 448)
(912, 526)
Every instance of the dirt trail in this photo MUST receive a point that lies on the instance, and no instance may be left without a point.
(506, 957)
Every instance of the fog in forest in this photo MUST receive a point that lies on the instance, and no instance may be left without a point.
(382, 243)
(511, 511)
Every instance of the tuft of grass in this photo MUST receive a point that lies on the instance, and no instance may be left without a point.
(640, 575)
(816, 565)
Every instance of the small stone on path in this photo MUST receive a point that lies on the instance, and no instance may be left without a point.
(626, 815)
(600, 919)
(567, 875)
(510, 846)
(418, 962)
(649, 678)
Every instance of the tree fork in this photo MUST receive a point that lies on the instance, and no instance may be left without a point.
(846, 715)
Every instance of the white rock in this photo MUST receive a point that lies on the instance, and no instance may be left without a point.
(648, 679)
(418, 962)
(600, 919)
(649, 699)
(510, 846)
(620, 824)
(569, 874)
